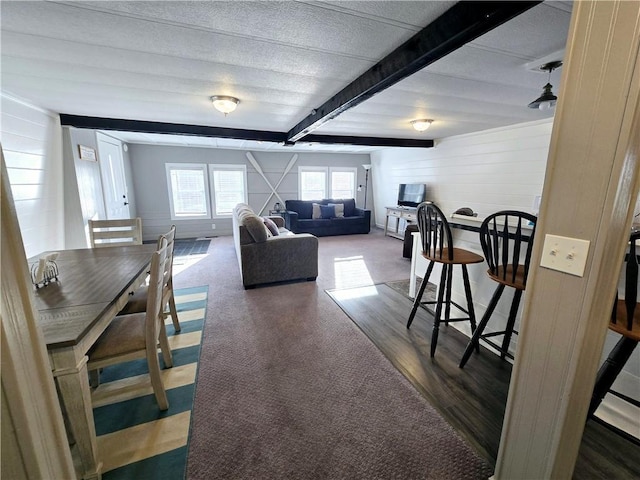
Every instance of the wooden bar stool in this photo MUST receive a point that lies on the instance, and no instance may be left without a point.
(502, 241)
(625, 320)
(437, 247)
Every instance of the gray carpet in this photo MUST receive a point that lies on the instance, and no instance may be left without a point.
(288, 387)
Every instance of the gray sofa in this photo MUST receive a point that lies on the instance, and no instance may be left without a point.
(299, 217)
(265, 257)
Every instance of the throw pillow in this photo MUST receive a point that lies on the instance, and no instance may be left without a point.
(327, 211)
(256, 228)
(271, 225)
(349, 207)
(316, 211)
(339, 209)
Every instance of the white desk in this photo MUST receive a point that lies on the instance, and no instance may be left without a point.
(407, 214)
(418, 264)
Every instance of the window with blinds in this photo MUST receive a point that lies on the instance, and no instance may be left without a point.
(316, 183)
(343, 182)
(229, 186)
(188, 191)
(312, 183)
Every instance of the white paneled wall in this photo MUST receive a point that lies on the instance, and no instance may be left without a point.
(487, 171)
(31, 142)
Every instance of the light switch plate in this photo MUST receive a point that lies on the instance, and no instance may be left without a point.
(564, 254)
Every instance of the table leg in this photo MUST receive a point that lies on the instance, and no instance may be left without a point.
(73, 387)
(610, 369)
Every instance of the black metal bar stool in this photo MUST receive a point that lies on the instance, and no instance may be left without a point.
(502, 240)
(437, 247)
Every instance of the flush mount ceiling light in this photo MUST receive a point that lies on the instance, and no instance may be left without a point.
(547, 100)
(224, 103)
(421, 124)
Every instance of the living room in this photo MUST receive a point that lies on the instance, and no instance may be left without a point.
(389, 168)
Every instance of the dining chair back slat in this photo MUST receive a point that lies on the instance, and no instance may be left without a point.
(115, 233)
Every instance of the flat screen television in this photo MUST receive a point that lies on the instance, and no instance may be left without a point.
(411, 194)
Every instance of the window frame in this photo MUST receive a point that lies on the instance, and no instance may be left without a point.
(305, 168)
(354, 187)
(213, 167)
(328, 184)
(169, 167)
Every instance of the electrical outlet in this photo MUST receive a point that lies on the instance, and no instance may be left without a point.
(213, 226)
(564, 254)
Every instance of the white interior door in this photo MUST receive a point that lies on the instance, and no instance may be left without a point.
(114, 187)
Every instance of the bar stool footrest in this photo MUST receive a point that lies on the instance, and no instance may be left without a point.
(495, 345)
(626, 398)
(444, 320)
(495, 334)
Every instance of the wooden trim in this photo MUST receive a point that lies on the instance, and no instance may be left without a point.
(36, 438)
(590, 190)
(462, 23)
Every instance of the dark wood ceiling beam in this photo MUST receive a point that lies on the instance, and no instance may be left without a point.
(370, 141)
(140, 126)
(462, 23)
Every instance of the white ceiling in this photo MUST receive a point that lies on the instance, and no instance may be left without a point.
(161, 61)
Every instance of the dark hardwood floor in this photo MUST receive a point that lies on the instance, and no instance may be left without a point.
(472, 399)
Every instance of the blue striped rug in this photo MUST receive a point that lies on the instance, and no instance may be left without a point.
(135, 439)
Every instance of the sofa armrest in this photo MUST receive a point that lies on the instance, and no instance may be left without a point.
(290, 220)
(361, 212)
(280, 258)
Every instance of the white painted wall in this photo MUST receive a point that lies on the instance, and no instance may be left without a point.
(488, 171)
(31, 141)
(83, 194)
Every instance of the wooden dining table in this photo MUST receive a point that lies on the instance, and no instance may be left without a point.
(93, 285)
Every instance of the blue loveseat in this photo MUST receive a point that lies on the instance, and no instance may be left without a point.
(323, 220)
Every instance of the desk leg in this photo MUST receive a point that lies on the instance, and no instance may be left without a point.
(610, 369)
(73, 387)
(412, 273)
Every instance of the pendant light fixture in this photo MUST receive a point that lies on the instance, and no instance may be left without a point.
(547, 100)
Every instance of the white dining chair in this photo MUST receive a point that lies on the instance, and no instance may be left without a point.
(138, 335)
